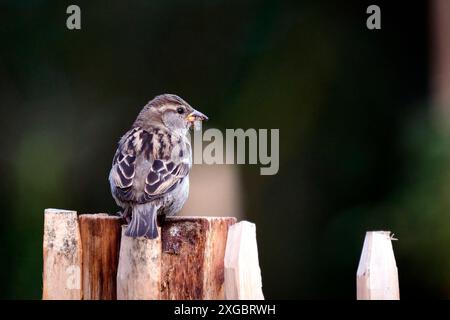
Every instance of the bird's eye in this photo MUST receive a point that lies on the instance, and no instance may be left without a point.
(180, 110)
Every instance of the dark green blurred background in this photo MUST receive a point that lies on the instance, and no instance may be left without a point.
(359, 150)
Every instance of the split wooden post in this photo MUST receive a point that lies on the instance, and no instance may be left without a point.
(193, 250)
(377, 275)
(185, 262)
(62, 256)
(139, 271)
(242, 271)
(100, 239)
(89, 257)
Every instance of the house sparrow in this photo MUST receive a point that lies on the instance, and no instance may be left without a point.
(150, 169)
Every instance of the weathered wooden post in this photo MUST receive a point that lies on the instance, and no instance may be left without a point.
(80, 255)
(184, 263)
(139, 273)
(377, 276)
(242, 272)
(193, 250)
(89, 257)
(100, 241)
(62, 256)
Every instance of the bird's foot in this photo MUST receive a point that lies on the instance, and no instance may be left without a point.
(126, 215)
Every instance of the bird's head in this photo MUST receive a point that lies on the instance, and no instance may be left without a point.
(169, 111)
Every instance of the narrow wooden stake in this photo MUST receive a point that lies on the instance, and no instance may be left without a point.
(100, 238)
(242, 272)
(193, 257)
(377, 276)
(139, 271)
(62, 256)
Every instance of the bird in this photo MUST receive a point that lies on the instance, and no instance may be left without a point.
(149, 177)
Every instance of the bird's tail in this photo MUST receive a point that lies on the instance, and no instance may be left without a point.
(143, 222)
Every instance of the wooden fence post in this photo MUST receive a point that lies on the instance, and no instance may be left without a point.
(139, 272)
(242, 271)
(185, 262)
(62, 256)
(377, 276)
(89, 257)
(100, 239)
(193, 253)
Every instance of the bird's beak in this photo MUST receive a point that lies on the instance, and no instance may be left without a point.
(196, 115)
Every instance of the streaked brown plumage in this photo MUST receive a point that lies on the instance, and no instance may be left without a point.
(150, 170)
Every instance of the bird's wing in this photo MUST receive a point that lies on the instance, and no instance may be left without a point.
(168, 168)
(165, 172)
(123, 166)
(164, 176)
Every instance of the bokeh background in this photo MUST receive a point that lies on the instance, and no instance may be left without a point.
(362, 116)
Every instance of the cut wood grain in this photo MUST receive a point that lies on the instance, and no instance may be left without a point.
(377, 275)
(89, 257)
(193, 256)
(242, 271)
(139, 271)
(62, 256)
(100, 238)
(216, 241)
(185, 263)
